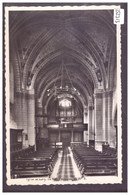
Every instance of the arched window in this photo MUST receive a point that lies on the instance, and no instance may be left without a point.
(65, 103)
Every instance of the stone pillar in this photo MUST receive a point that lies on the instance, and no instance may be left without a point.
(39, 119)
(25, 116)
(59, 136)
(91, 130)
(21, 116)
(85, 121)
(45, 122)
(31, 117)
(111, 129)
(45, 110)
(72, 136)
(85, 137)
(42, 121)
(85, 117)
(108, 127)
(24, 120)
(99, 134)
(19, 110)
(105, 117)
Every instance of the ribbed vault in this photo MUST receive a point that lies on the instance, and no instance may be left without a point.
(83, 40)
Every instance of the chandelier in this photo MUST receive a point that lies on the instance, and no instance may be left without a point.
(65, 87)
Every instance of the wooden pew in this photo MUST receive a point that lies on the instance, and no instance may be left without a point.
(26, 167)
(92, 162)
(40, 163)
(22, 153)
(29, 173)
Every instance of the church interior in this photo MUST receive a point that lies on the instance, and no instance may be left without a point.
(63, 94)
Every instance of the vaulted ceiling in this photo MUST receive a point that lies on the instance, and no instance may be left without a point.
(83, 40)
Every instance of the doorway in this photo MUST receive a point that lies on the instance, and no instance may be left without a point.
(66, 138)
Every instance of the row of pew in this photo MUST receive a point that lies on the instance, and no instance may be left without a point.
(35, 164)
(15, 154)
(94, 163)
(109, 151)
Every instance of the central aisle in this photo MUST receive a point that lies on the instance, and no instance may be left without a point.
(66, 168)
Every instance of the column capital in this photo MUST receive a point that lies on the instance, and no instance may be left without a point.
(98, 93)
(107, 93)
(25, 93)
(30, 91)
(39, 104)
(91, 107)
(90, 101)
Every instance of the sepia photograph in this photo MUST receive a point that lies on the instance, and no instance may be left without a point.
(63, 101)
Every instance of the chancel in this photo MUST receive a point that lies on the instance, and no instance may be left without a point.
(63, 94)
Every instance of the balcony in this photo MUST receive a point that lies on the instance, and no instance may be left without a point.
(65, 126)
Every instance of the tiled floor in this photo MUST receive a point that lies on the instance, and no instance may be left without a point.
(65, 168)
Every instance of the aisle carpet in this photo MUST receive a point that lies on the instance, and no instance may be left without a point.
(66, 168)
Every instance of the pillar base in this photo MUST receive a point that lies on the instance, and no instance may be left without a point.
(112, 145)
(98, 146)
(24, 141)
(92, 143)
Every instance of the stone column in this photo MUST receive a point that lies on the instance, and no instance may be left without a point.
(111, 128)
(85, 137)
(85, 121)
(31, 117)
(99, 134)
(39, 118)
(45, 122)
(91, 130)
(21, 116)
(59, 136)
(19, 110)
(42, 121)
(85, 117)
(105, 117)
(25, 116)
(72, 136)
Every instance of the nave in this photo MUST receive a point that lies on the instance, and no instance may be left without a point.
(63, 106)
(69, 163)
